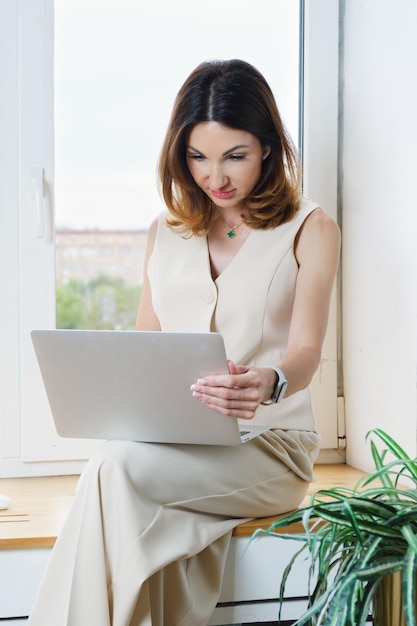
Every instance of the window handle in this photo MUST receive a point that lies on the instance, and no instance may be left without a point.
(37, 191)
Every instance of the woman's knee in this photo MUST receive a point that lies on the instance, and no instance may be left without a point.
(126, 464)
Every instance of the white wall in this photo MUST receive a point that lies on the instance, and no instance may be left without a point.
(379, 222)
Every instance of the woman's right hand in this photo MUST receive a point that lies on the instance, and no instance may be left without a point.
(236, 394)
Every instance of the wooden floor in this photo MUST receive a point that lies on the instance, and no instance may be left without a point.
(39, 505)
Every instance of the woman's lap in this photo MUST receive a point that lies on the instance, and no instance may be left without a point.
(250, 480)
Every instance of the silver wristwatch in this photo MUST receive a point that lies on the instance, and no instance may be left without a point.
(280, 387)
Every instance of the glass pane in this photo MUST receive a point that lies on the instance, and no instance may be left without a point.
(118, 67)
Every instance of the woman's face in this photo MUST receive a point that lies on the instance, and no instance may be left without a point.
(225, 163)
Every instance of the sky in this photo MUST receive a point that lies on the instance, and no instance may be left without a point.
(118, 67)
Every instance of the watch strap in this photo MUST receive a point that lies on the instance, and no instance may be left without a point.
(280, 387)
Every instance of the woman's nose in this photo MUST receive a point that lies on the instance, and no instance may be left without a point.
(218, 179)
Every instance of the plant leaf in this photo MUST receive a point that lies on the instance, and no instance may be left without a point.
(396, 450)
(408, 585)
(285, 578)
(383, 567)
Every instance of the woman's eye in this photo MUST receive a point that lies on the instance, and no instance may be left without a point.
(196, 157)
(237, 157)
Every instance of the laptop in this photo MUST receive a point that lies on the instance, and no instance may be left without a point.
(134, 385)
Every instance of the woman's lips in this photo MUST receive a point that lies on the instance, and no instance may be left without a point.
(222, 195)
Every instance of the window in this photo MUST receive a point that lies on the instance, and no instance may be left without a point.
(117, 71)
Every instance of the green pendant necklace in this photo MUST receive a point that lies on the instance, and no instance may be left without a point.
(231, 233)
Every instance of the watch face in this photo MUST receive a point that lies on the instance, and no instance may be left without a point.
(282, 388)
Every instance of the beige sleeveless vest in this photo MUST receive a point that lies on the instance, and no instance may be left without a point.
(249, 304)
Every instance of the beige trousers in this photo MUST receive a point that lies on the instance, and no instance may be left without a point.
(147, 536)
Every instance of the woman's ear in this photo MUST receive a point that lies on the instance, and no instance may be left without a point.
(266, 152)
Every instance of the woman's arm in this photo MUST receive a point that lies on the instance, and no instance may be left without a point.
(317, 252)
(146, 318)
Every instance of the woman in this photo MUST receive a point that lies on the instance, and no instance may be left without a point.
(240, 252)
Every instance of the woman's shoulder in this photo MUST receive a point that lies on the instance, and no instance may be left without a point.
(154, 232)
(158, 223)
(314, 218)
(320, 222)
(318, 231)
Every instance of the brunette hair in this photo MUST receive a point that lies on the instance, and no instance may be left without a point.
(235, 94)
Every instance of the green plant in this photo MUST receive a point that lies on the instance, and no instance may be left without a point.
(102, 303)
(356, 537)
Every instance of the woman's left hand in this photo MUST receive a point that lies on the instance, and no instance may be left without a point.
(237, 394)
